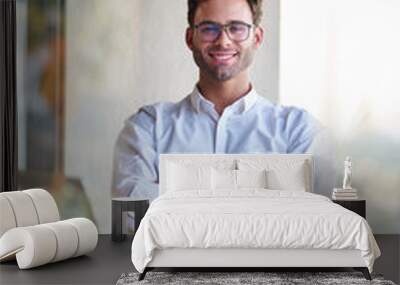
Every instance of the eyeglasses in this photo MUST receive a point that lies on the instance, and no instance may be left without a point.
(210, 31)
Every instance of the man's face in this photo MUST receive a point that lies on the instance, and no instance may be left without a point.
(223, 59)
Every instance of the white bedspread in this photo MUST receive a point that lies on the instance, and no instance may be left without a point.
(250, 219)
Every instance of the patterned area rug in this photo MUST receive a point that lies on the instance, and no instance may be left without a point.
(269, 278)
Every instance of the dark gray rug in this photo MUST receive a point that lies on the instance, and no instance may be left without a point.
(269, 278)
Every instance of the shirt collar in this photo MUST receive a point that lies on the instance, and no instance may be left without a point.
(242, 105)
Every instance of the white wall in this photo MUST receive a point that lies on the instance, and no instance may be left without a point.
(340, 60)
(121, 55)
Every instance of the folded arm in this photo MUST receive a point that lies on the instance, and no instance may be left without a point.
(135, 171)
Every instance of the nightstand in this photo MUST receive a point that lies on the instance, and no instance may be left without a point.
(357, 206)
(121, 205)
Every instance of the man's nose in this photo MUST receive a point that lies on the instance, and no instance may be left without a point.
(223, 38)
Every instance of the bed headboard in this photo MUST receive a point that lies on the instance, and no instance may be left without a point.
(231, 161)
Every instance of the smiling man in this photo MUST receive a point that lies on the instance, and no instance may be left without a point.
(223, 114)
(224, 36)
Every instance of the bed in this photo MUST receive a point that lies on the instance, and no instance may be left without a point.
(247, 211)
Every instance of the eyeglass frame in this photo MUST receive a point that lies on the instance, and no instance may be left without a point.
(223, 28)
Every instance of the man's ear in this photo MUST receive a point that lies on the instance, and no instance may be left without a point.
(189, 38)
(258, 36)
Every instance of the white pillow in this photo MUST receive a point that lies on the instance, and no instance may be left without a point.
(287, 179)
(188, 177)
(281, 174)
(251, 178)
(230, 180)
(223, 179)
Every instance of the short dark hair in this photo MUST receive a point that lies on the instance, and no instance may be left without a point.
(255, 7)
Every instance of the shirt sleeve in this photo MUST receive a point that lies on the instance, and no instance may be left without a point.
(302, 129)
(135, 158)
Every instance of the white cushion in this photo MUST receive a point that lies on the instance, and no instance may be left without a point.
(40, 244)
(87, 233)
(67, 239)
(26, 208)
(33, 246)
(251, 178)
(223, 179)
(169, 173)
(281, 174)
(7, 218)
(23, 208)
(287, 179)
(231, 180)
(188, 177)
(46, 207)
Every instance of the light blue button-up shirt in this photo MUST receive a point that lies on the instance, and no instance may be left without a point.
(252, 124)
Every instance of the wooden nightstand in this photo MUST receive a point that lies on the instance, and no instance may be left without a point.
(121, 205)
(357, 206)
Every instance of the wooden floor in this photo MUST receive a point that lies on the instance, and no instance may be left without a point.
(389, 262)
(110, 260)
(102, 266)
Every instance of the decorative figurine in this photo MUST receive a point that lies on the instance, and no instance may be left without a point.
(347, 173)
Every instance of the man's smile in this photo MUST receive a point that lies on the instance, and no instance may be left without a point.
(223, 57)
